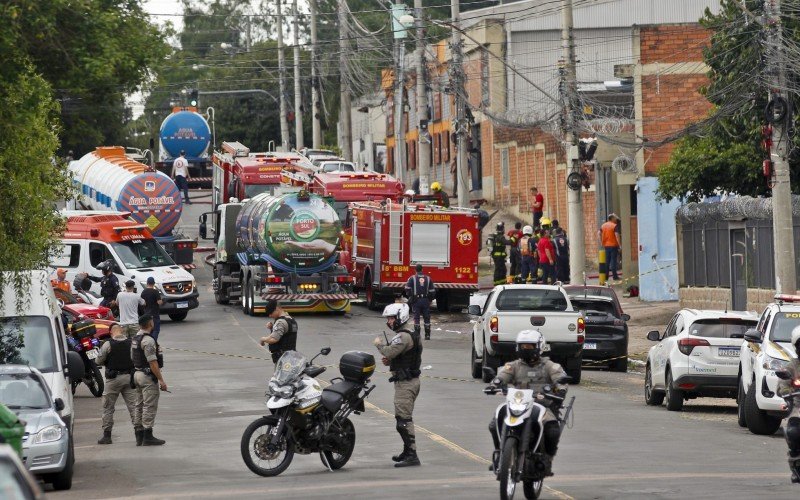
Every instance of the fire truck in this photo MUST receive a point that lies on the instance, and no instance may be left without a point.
(385, 241)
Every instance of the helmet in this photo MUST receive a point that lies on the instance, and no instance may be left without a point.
(409, 192)
(106, 265)
(530, 345)
(500, 227)
(544, 221)
(527, 230)
(397, 311)
(436, 186)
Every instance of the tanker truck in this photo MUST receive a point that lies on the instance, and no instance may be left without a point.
(186, 130)
(107, 180)
(283, 247)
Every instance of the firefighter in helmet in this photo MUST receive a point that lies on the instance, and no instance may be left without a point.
(439, 196)
(497, 243)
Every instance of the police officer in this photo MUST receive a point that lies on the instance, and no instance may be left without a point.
(403, 355)
(530, 371)
(420, 291)
(147, 363)
(792, 429)
(497, 245)
(561, 242)
(109, 284)
(116, 356)
(283, 335)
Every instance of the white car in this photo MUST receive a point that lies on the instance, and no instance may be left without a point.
(766, 349)
(697, 356)
(336, 166)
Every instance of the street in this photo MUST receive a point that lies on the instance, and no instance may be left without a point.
(617, 447)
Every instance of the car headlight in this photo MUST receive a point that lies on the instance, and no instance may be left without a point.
(775, 364)
(516, 409)
(48, 434)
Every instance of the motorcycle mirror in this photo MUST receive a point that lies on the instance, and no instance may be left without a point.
(325, 351)
(489, 372)
(783, 374)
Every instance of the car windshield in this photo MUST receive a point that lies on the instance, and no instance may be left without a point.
(252, 190)
(22, 391)
(142, 253)
(602, 306)
(338, 167)
(723, 328)
(528, 299)
(289, 367)
(782, 327)
(28, 340)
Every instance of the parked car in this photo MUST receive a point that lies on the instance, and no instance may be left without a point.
(606, 331)
(597, 290)
(16, 483)
(47, 449)
(336, 166)
(69, 302)
(697, 356)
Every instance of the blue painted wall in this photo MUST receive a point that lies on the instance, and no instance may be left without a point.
(657, 237)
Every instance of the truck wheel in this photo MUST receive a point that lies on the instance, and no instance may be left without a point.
(372, 296)
(248, 301)
(619, 365)
(220, 299)
(180, 316)
(758, 421)
(573, 368)
(674, 397)
(488, 361)
(443, 302)
(477, 369)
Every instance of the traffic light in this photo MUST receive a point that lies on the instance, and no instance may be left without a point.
(193, 97)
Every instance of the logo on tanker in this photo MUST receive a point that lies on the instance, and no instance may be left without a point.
(464, 237)
(304, 226)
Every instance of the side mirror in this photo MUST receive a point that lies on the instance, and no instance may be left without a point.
(325, 351)
(489, 372)
(653, 336)
(753, 336)
(474, 310)
(59, 404)
(783, 375)
(75, 366)
(625, 317)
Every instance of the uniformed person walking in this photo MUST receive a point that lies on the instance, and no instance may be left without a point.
(497, 245)
(420, 291)
(115, 355)
(147, 361)
(403, 355)
(283, 334)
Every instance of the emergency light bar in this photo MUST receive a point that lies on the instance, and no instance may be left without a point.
(784, 297)
(137, 227)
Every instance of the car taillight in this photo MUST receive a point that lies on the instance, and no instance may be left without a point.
(494, 338)
(274, 279)
(344, 279)
(494, 324)
(687, 345)
(581, 325)
(581, 338)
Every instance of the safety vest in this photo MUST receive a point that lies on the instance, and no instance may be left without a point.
(498, 245)
(137, 354)
(119, 358)
(288, 341)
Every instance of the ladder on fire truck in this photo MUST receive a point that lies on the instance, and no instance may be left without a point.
(396, 227)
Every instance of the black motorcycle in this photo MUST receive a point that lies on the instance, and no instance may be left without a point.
(82, 340)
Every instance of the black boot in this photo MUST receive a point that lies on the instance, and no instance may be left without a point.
(401, 456)
(106, 439)
(410, 460)
(150, 440)
(427, 333)
(139, 432)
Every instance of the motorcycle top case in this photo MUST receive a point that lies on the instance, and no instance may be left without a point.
(83, 328)
(356, 366)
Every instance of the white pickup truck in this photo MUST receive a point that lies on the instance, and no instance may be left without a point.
(509, 309)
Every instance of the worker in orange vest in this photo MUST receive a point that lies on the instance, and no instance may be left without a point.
(60, 281)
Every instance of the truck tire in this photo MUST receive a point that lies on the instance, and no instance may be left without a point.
(758, 421)
(573, 369)
(442, 301)
(246, 301)
(490, 362)
(673, 396)
(619, 365)
(178, 316)
(475, 364)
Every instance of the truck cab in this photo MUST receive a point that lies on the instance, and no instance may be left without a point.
(90, 240)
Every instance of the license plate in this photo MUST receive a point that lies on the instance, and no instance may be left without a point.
(728, 352)
(182, 305)
(93, 353)
(590, 345)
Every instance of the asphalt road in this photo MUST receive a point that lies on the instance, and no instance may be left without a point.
(617, 448)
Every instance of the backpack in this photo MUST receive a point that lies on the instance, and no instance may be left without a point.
(523, 243)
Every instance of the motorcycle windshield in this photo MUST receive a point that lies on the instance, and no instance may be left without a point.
(289, 368)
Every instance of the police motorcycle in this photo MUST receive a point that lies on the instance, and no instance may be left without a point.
(305, 418)
(82, 338)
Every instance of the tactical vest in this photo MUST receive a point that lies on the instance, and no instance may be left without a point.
(137, 354)
(498, 246)
(109, 287)
(119, 359)
(288, 341)
(406, 366)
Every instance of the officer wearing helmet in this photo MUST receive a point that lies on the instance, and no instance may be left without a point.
(497, 246)
(786, 387)
(403, 354)
(439, 196)
(530, 371)
(109, 283)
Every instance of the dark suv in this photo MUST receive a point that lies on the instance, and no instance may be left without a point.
(606, 331)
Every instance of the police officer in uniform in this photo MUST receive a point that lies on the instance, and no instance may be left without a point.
(530, 371)
(403, 355)
(116, 356)
(420, 291)
(147, 363)
(109, 284)
(497, 245)
(283, 336)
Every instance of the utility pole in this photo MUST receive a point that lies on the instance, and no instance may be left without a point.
(344, 85)
(424, 138)
(399, 50)
(298, 91)
(457, 81)
(569, 91)
(282, 83)
(782, 226)
(316, 105)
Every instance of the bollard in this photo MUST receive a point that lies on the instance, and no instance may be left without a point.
(602, 266)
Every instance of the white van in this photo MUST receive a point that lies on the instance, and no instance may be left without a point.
(44, 345)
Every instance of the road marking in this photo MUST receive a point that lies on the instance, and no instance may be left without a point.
(668, 475)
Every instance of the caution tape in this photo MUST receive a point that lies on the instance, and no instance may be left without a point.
(606, 360)
(637, 276)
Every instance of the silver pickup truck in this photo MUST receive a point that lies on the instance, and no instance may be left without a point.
(509, 309)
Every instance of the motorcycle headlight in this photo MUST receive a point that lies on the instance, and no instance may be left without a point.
(775, 364)
(283, 391)
(48, 434)
(517, 409)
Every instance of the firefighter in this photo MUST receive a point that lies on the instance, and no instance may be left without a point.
(514, 237)
(420, 291)
(440, 197)
(497, 245)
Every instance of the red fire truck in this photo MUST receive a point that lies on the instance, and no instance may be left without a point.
(384, 242)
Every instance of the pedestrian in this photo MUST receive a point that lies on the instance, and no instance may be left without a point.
(483, 220)
(515, 256)
(129, 302)
(527, 251)
(403, 355)
(283, 331)
(420, 291)
(180, 172)
(536, 201)
(152, 305)
(497, 245)
(547, 258)
(439, 196)
(561, 243)
(60, 281)
(115, 355)
(148, 378)
(610, 241)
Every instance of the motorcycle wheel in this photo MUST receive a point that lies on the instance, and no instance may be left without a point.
(532, 489)
(94, 381)
(507, 469)
(347, 436)
(255, 452)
